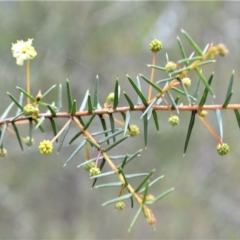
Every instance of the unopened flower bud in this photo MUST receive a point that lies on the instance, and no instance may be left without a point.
(155, 45)
(222, 149)
(94, 171)
(3, 152)
(173, 120)
(89, 166)
(133, 131)
(170, 67)
(186, 81)
(120, 205)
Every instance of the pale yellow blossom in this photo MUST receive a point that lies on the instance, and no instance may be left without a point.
(23, 51)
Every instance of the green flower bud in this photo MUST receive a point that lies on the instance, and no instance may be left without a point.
(45, 147)
(133, 131)
(3, 152)
(173, 120)
(30, 110)
(94, 171)
(38, 97)
(29, 142)
(155, 45)
(222, 149)
(120, 205)
(89, 166)
(110, 97)
(203, 113)
(222, 50)
(170, 67)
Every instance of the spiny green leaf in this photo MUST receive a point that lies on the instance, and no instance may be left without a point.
(113, 184)
(131, 105)
(104, 174)
(227, 100)
(191, 41)
(181, 92)
(2, 132)
(123, 197)
(84, 102)
(220, 124)
(139, 93)
(26, 94)
(48, 91)
(104, 126)
(207, 85)
(157, 67)
(159, 90)
(205, 93)
(39, 122)
(115, 144)
(182, 50)
(229, 91)
(155, 118)
(112, 123)
(237, 114)
(75, 137)
(145, 129)
(36, 121)
(127, 120)
(62, 137)
(190, 128)
(135, 218)
(196, 92)
(59, 99)
(151, 183)
(110, 136)
(18, 136)
(185, 91)
(69, 95)
(95, 96)
(149, 108)
(134, 175)
(19, 110)
(90, 107)
(131, 157)
(144, 181)
(145, 193)
(74, 108)
(81, 145)
(162, 195)
(54, 127)
(166, 79)
(89, 121)
(30, 129)
(93, 143)
(15, 101)
(173, 101)
(116, 94)
(8, 109)
(52, 110)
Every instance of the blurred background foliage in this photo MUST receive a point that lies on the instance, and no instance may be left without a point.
(39, 199)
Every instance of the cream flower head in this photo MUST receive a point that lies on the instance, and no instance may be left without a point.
(23, 51)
